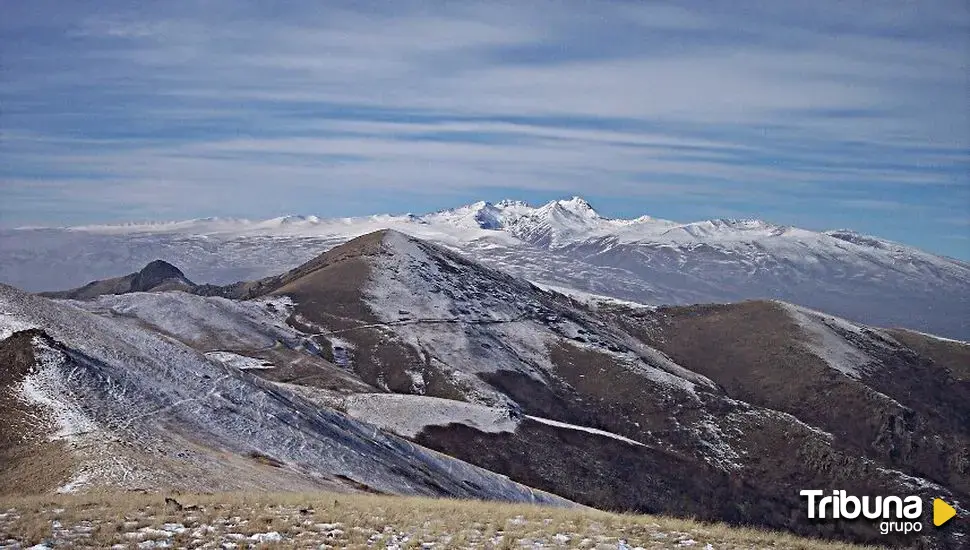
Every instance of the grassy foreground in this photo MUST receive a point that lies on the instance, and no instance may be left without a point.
(136, 520)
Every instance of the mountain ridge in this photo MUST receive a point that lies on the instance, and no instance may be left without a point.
(510, 211)
(562, 243)
(506, 206)
(156, 275)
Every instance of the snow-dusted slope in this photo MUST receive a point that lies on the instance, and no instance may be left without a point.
(419, 318)
(143, 410)
(589, 403)
(205, 322)
(564, 243)
(713, 411)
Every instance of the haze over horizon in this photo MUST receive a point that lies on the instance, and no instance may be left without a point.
(823, 116)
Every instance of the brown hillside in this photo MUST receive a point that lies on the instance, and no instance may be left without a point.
(947, 353)
(29, 463)
(907, 411)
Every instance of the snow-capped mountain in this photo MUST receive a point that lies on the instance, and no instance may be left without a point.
(564, 243)
(555, 224)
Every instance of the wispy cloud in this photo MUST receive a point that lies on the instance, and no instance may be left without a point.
(823, 113)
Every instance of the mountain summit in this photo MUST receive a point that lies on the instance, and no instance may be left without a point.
(158, 273)
(578, 206)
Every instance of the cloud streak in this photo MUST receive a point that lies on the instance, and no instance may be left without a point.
(825, 114)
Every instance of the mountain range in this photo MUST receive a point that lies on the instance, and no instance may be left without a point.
(564, 243)
(390, 363)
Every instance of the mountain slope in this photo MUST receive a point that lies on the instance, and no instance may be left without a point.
(563, 243)
(718, 412)
(134, 409)
(612, 417)
(908, 410)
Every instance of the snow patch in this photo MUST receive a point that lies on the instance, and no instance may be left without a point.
(79, 481)
(826, 340)
(595, 431)
(408, 415)
(789, 418)
(241, 362)
(280, 307)
(418, 384)
(912, 482)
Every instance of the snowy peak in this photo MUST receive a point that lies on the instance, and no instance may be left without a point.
(564, 213)
(560, 222)
(486, 215)
(577, 206)
(575, 211)
(564, 242)
(481, 215)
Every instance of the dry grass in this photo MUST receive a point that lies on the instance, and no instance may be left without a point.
(251, 520)
(953, 355)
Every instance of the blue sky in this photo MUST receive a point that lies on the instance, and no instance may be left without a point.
(819, 114)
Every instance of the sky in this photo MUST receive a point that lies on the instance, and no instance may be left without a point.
(824, 115)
